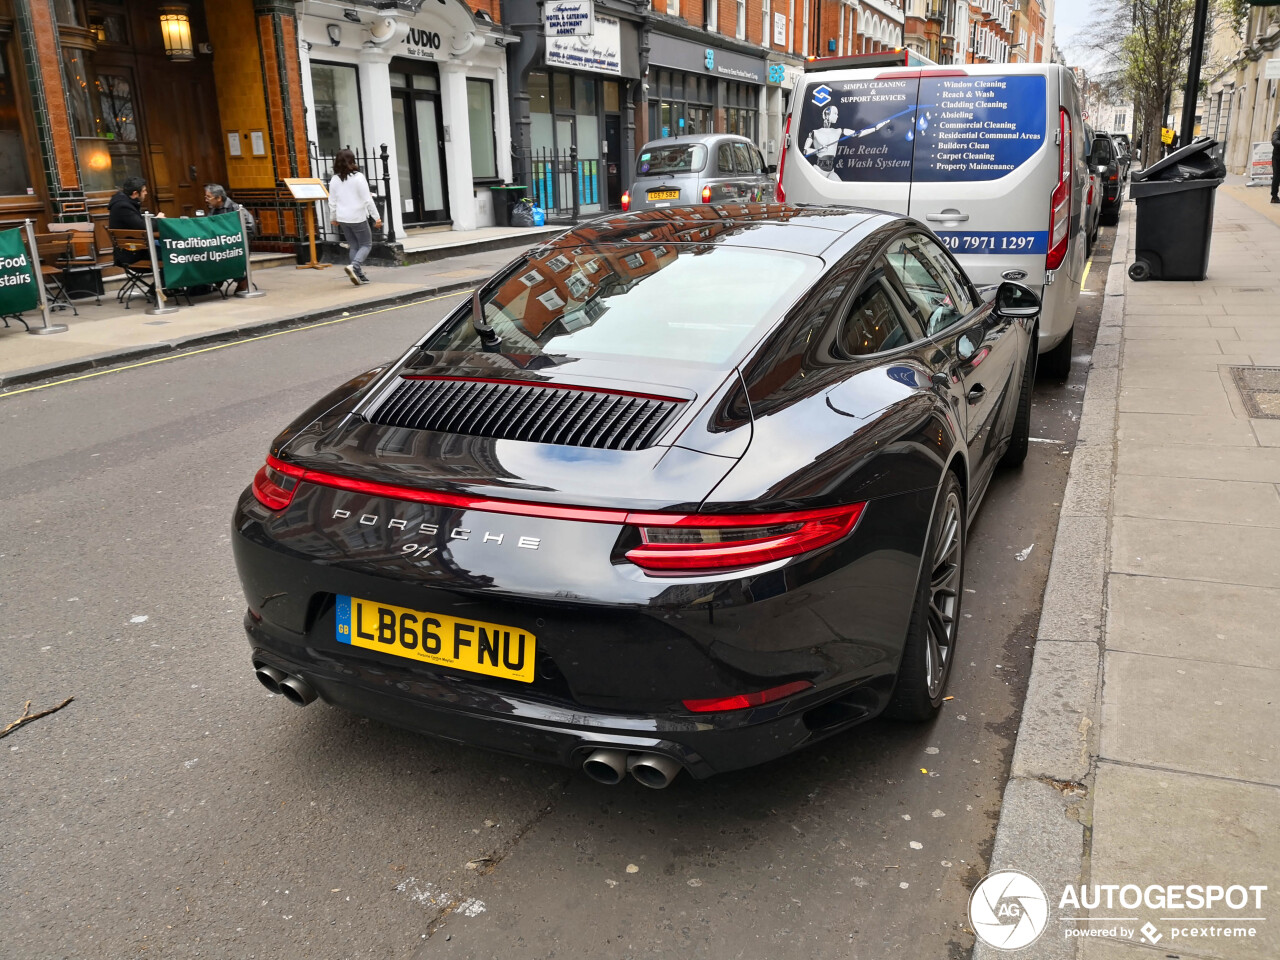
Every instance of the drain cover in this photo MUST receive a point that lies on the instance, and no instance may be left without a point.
(1259, 389)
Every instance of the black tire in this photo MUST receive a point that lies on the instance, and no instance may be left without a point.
(1139, 270)
(1110, 218)
(1020, 436)
(1056, 364)
(928, 652)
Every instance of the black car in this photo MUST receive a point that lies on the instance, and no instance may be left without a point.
(679, 489)
(1111, 168)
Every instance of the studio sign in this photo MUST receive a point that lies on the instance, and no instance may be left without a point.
(421, 43)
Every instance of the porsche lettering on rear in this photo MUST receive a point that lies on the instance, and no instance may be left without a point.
(433, 529)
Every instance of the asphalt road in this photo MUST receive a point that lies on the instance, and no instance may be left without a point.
(175, 809)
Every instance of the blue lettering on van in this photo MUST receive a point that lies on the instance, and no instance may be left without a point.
(898, 129)
(995, 241)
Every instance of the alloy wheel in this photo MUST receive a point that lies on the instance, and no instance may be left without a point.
(944, 595)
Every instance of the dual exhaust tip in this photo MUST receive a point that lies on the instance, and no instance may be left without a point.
(292, 688)
(653, 770)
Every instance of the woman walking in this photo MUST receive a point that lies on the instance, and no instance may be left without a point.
(352, 207)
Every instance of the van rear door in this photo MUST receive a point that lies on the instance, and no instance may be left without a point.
(854, 139)
(984, 167)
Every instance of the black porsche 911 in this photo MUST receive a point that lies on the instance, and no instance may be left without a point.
(683, 489)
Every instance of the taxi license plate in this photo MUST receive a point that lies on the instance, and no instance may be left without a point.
(472, 645)
(664, 194)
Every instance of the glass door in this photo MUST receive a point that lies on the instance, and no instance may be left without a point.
(420, 169)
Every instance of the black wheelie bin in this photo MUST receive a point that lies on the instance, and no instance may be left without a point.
(1175, 213)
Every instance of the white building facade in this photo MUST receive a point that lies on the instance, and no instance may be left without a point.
(429, 80)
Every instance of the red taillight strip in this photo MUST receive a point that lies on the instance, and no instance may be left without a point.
(818, 528)
(459, 501)
(742, 701)
(547, 386)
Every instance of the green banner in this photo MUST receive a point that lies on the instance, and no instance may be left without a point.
(18, 288)
(198, 250)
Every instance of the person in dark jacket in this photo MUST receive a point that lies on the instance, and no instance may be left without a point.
(124, 212)
(216, 202)
(1275, 164)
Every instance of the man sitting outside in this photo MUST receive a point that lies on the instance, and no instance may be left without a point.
(217, 201)
(124, 212)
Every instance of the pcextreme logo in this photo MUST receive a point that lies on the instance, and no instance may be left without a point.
(1009, 910)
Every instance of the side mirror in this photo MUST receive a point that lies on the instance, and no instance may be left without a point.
(771, 168)
(1101, 169)
(1017, 301)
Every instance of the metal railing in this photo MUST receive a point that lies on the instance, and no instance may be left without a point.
(559, 182)
(376, 169)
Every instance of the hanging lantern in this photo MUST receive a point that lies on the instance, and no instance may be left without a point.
(175, 27)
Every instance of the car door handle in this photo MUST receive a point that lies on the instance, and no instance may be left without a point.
(947, 216)
(976, 393)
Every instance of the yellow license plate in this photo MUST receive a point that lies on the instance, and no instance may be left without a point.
(664, 194)
(472, 645)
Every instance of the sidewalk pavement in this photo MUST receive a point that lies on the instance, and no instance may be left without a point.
(1149, 744)
(110, 333)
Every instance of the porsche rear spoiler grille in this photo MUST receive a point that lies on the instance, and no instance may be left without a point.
(534, 413)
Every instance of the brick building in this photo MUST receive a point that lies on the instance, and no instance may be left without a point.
(94, 91)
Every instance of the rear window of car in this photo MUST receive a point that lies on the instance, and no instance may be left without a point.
(684, 302)
(664, 161)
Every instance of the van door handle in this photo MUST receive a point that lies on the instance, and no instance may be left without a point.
(946, 216)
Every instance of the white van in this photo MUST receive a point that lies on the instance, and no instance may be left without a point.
(990, 156)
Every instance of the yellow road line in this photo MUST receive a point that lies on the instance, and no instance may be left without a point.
(1085, 279)
(230, 343)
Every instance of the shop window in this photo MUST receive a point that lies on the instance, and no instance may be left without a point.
(14, 175)
(337, 106)
(484, 160)
(102, 118)
(67, 13)
(611, 96)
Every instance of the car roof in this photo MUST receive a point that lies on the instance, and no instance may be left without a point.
(705, 138)
(798, 228)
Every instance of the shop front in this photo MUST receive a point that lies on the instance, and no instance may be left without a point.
(429, 82)
(573, 111)
(695, 88)
(94, 92)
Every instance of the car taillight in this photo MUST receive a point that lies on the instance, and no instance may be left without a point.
(706, 194)
(626, 201)
(1060, 202)
(740, 701)
(781, 194)
(710, 543)
(1089, 199)
(275, 484)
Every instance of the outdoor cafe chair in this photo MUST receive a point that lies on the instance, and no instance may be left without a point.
(126, 244)
(53, 250)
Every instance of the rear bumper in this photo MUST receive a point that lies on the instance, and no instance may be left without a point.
(610, 673)
(462, 712)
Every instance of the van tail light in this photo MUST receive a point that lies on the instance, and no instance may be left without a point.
(706, 194)
(275, 484)
(626, 201)
(1089, 199)
(741, 701)
(779, 194)
(697, 543)
(1060, 202)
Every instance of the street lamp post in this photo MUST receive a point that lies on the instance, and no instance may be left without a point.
(973, 37)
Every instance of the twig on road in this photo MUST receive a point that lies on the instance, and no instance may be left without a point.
(27, 716)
